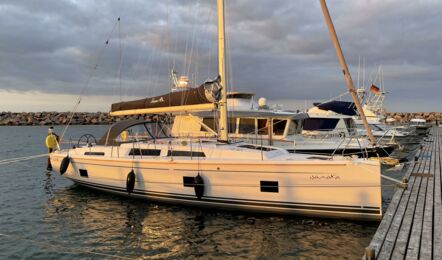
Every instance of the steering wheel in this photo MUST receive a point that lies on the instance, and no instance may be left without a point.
(87, 137)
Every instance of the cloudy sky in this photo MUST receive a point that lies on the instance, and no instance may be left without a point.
(51, 51)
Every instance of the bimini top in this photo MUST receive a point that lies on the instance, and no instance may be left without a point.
(207, 93)
(340, 107)
(154, 129)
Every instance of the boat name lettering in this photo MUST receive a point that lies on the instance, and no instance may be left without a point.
(325, 177)
(160, 100)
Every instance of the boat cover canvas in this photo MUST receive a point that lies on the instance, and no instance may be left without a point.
(209, 92)
(340, 107)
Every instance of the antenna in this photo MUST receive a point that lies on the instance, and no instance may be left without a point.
(359, 69)
(363, 72)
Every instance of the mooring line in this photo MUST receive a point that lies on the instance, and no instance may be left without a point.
(20, 159)
(66, 249)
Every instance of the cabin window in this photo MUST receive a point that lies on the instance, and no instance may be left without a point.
(293, 127)
(213, 124)
(247, 126)
(320, 124)
(188, 181)
(145, 152)
(257, 147)
(349, 123)
(94, 153)
(232, 125)
(263, 126)
(210, 122)
(375, 128)
(279, 126)
(185, 153)
(269, 186)
(133, 133)
(157, 130)
(83, 173)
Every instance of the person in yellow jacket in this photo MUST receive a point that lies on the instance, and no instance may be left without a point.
(52, 144)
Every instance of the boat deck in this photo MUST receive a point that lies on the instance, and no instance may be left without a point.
(411, 226)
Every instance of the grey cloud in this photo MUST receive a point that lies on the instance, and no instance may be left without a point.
(279, 49)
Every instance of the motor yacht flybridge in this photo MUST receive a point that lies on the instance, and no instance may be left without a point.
(140, 160)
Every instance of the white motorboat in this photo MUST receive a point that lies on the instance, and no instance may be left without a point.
(316, 132)
(138, 159)
(385, 134)
(421, 126)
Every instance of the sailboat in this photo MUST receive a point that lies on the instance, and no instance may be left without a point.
(139, 159)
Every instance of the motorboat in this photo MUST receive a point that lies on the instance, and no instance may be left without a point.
(385, 134)
(421, 126)
(254, 122)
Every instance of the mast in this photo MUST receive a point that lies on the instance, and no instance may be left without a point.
(223, 136)
(348, 80)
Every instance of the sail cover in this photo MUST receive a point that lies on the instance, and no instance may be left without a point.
(209, 92)
(340, 107)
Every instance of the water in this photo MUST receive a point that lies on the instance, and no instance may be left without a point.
(43, 215)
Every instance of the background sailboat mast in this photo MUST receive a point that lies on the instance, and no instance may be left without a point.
(348, 80)
(222, 73)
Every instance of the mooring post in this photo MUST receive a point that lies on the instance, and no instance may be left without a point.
(369, 253)
(405, 183)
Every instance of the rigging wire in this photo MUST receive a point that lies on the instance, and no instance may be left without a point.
(230, 86)
(193, 39)
(168, 44)
(91, 75)
(121, 55)
(211, 45)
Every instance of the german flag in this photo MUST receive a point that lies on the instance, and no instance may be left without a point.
(374, 89)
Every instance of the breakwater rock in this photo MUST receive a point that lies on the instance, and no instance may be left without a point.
(58, 118)
(103, 118)
(431, 117)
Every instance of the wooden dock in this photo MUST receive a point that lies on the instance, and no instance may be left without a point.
(412, 225)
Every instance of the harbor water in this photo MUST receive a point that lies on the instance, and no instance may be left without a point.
(43, 215)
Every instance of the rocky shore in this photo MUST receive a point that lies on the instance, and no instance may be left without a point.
(102, 118)
(403, 118)
(57, 118)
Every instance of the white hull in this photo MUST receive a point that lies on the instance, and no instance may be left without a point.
(320, 188)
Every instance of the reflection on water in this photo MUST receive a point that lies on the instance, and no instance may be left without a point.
(134, 228)
(47, 216)
(49, 183)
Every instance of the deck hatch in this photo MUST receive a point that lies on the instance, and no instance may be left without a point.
(257, 147)
(185, 153)
(94, 153)
(145, 152)
(83, 173)
(269, 186)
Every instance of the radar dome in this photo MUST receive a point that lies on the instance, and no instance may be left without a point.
(262, 103)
